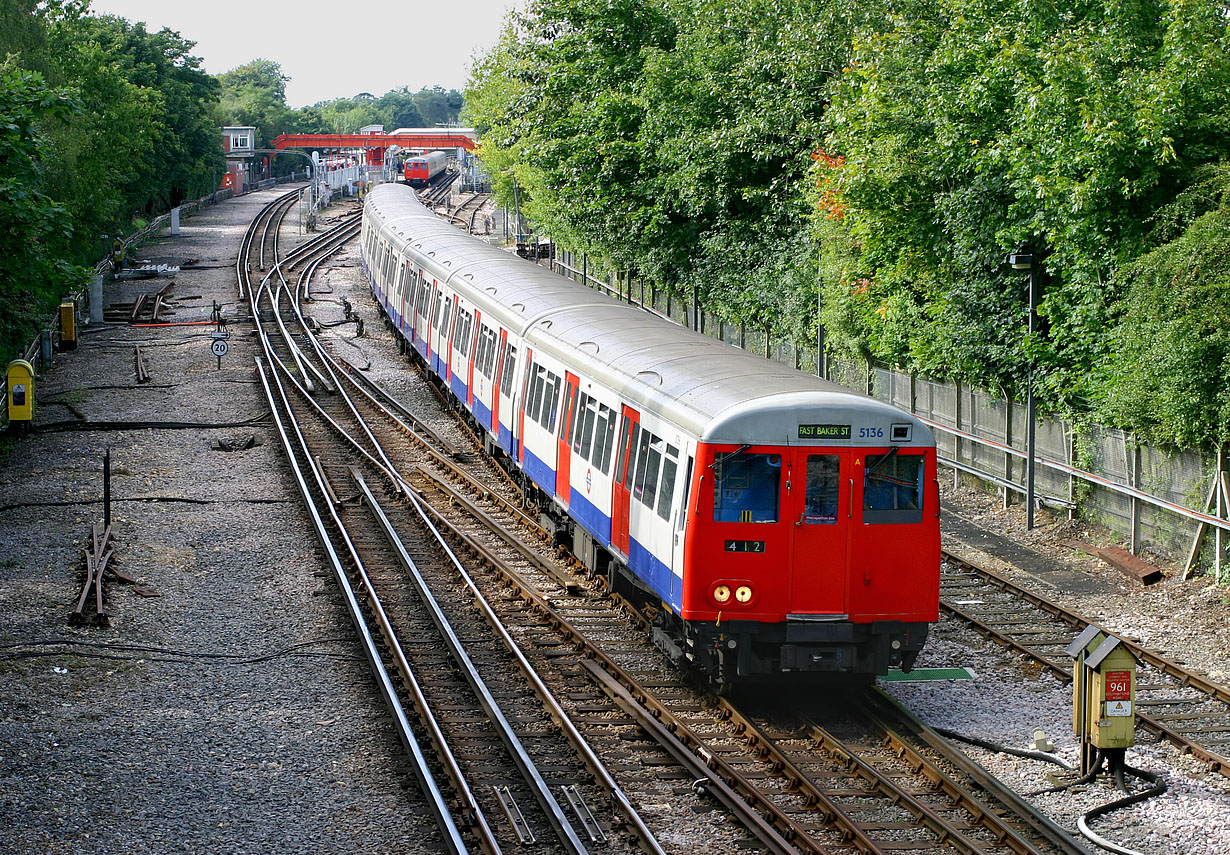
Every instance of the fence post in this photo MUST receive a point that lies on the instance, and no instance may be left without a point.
(1007, 455)
(956, 445)
(1134, 482)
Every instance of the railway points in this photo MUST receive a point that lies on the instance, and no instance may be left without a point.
(669, 800)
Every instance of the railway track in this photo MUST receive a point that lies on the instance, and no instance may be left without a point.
(415, 527)
(493, 760)
(1173, 702)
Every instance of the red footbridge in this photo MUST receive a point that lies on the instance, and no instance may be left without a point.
(377, 144)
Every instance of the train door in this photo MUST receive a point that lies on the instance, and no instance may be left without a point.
(563, 456)
(496, 386)
(476, 331)
(678, 521)
(446, 340)
(518, 408)
(820, 497)
(621, 493)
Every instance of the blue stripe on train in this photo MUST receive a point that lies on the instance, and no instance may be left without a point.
(655, 574)
(481, 413)
(590, 517)
(540, 472)
(459, 387)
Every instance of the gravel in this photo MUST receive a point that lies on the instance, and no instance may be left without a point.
(1008, 699)
(160, 752)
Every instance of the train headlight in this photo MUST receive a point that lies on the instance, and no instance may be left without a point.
(743, 594)
(722, 593)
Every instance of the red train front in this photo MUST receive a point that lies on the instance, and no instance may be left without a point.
(809, 560)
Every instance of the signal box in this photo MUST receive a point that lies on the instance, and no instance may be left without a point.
(19, 386)
(68, 325)
(1104, 691)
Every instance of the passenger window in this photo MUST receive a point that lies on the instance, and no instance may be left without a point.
(587, 428)
(534, 399)
(625, 452)
(821, 502)
(605, 439)
(570, 411)
(634, 443)
(647, 476)
(550, 402)
(510, 368)
(746, 487)
(667, 492)
(892, 488)
(574, 439)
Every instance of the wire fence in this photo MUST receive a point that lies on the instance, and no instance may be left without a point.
(1151, 500)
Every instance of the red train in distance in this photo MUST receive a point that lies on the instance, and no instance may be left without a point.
(421, 170)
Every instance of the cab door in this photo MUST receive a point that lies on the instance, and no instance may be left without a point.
(820, 497)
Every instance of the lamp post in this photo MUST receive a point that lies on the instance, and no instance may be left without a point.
(1025, 261)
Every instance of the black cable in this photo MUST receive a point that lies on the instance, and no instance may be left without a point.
(1159, 787)
(169, 655)
(1003, 749)
(88, 425)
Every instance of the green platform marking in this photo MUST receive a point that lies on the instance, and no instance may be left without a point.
(919, 675)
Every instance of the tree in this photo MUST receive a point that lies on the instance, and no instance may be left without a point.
(254, 95)
(1169, 375)
(971, 129)
(34, 229)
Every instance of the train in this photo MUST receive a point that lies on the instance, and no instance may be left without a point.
(773, 525)
(422, 169)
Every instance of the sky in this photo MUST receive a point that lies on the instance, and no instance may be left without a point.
(373, 46)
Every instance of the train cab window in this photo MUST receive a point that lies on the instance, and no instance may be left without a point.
(893, 488)
(746, 487)
(821, 501)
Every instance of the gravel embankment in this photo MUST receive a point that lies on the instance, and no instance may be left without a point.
(240, 716)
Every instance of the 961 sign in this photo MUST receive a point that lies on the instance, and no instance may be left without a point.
(1118, 685)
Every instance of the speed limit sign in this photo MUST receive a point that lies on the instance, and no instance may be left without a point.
(219, 347)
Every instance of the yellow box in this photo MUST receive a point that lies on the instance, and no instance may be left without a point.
(68, 326)
(1112, 701)
(19, 383)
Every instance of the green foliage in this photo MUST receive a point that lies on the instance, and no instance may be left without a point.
(971, 129)
(1169, 377)
(34, 229)
(673, 137)
(255, 95)
(102, 122)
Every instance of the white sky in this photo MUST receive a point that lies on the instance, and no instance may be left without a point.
(360, 46)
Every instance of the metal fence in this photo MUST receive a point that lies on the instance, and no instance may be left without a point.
(1148, 498)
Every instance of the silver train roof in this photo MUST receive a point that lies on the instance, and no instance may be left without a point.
(714, 390)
